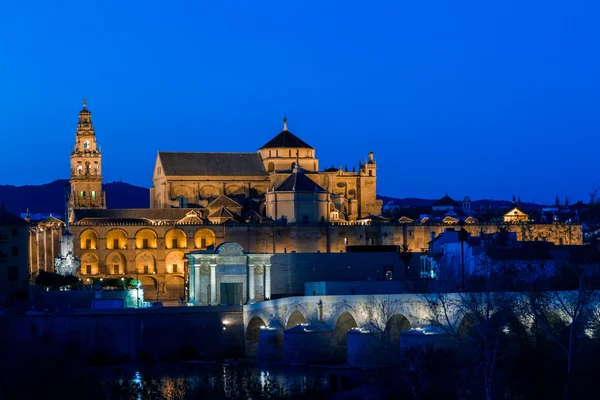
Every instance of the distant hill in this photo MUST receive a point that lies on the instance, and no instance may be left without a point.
(475, 204)
(49, 197)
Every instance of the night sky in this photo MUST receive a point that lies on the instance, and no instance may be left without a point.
(479, 98)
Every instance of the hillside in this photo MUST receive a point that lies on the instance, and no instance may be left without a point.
(49, 197)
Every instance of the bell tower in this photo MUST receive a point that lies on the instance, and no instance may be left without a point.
(86, 166)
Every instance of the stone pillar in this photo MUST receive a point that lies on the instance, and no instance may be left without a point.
(38, 242)
(267, 281)
(213, 285)
(191, 283)
(197, 297)
(251, 283)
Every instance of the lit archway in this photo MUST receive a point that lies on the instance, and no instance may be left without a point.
(204, 239)
(296, 318)
(89, 264)
(116, 239)
(174, 262)
(116, 264)
(175, 239)
(88, 240)
(175, 289)
(145, 264)
(145, 239)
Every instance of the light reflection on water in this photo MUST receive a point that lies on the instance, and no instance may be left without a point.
(189, 380)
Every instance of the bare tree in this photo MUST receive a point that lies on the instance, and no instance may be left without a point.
(563, 316)
(481, 335)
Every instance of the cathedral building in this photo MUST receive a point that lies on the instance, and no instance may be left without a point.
(274, 200)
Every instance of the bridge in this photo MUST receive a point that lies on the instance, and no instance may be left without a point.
(307, 329)
(315, 324)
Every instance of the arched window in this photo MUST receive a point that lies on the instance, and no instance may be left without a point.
(271, 167)
(79, 170)
(86, 144)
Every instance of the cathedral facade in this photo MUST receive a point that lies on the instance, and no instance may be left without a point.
(274, 200)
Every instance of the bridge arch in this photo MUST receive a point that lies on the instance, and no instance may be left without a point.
(397, 324)
(253, 333)
(345, 322)
(296, 317)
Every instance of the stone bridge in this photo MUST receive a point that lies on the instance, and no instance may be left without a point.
(310, 329)
(313, 324)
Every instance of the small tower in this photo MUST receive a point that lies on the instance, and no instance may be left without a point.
(466, 203)
(86, 166)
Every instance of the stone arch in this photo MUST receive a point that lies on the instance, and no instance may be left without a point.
(150, 286)
(343, 324)
(116, 237)
(175, 239)
(209, 192)
(116, 263)
(204, 238)
(145, 263)
(253, 334)
(466, 326)
(89, 264)
(235, 190)
(258, 191)
(174, 262)
(182, 191)
(397, 324)
(88, 240)
(145, 239)
(175, 287)
(271, 167)
(296, 317)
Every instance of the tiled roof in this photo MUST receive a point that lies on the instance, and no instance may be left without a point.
(298, 182)
(445, 201)
(212, 164)
(223, 201)
(8, 219)
(174, 214)
(286, 138)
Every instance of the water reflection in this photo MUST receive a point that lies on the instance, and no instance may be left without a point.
(187, 381)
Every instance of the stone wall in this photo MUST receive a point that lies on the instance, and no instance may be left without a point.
(122, 335)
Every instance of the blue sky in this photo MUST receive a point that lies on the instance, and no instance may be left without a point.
(479, 98)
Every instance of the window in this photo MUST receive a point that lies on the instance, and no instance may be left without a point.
(345, 240)
(88, 243)
(388, 275)
(93, 194)
(290, 155)
(146, 269)
(88, 269)
(269, 153)
(14, 232)
(371, 241)
(116, 269)
(203, 243)
(144, 243)
(86, 144)
(15, 251)
(82, 194)
(305, 219)
(174, 268)
(115, 243)
(13, 273)
(174, 244)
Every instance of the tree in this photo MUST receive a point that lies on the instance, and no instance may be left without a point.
(481, 338)
(561, 315)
